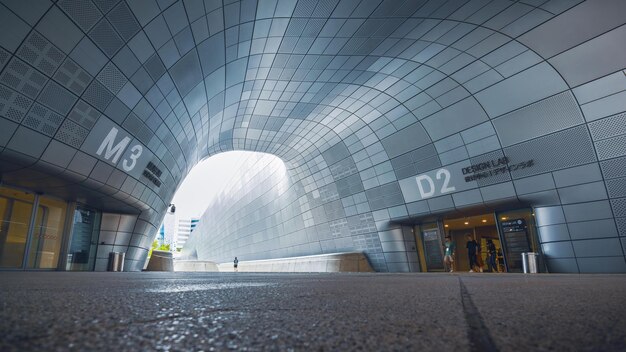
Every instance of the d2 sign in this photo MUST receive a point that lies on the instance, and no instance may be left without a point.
(438, 182)
(426, 185)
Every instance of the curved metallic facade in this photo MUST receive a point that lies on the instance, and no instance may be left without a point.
(382, 111)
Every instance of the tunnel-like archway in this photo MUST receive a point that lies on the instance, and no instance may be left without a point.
(111, 103)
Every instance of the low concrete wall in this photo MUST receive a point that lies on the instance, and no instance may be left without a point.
(323, 263)
(160, 261)
(194, 265)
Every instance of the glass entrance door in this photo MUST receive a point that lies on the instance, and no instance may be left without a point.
(32, 230)
(16, 209)
(45, 245)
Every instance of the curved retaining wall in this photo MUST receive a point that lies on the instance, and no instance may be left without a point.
(194, 265)
(338, 262)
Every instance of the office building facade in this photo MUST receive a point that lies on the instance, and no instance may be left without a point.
(185, 228)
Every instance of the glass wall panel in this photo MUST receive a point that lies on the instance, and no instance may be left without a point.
(45, 245)
(432, 247)
(82, 252)
(15, 213)
(518, 234)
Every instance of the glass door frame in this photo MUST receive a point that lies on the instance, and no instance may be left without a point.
(68, 232)
(64, 233)
(419, 233)
(496, 216)
(31, 230)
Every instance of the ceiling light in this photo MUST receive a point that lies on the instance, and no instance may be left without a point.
(504, 218)
(484, 220)
(446, 225)
(466, 223)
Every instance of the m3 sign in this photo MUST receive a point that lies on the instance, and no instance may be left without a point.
(111, 144)
(111, 151)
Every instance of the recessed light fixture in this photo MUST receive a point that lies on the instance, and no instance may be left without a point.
(504, 218)
(446, 225)
(466, 223)
(484, 220)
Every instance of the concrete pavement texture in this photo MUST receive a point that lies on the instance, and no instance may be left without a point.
(62, 311)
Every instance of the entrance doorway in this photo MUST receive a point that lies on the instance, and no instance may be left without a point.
(481, 228)
(32, 230)
(508, 235)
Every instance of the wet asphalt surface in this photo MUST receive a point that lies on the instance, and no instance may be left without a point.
(57, 311)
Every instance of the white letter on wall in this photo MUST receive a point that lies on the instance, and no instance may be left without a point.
(446, 180)
(137, 150)
(107, 144)
(420, 186)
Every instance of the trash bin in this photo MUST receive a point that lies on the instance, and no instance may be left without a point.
(529, 262)
(116, 261)
(120, 265)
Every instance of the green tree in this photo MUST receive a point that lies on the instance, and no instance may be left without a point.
(164, 247)
(155, 246)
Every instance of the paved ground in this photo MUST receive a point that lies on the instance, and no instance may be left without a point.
(327, 312)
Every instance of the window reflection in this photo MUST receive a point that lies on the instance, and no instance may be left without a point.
(82, 252)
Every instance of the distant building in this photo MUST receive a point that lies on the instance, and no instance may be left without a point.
(176, 232)
(169, 230)
(161, 235)
(185, 228)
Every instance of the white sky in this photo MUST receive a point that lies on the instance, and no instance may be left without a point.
(204, 182)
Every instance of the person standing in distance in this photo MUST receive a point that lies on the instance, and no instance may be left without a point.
(472, 250)
(236, 262)
(448, 258)
(491, 260)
